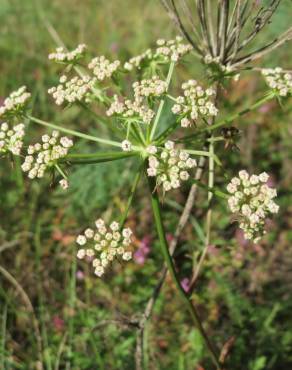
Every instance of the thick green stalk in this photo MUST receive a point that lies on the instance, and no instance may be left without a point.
(161, 105)
(169, 262)
(97, 157)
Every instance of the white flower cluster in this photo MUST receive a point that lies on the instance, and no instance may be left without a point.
(103, 68)
(15, 103)
(152, 87)
(130, 108)
(170, 167)
(137, 61)
(165, 52)
(105, 245)
(11, 139)
(279, 81)
(61, 55)
(172, 50)
(40, 156)
(194, 104)
(73, 90)
(149, 88)
(208, 59)
(252, 199)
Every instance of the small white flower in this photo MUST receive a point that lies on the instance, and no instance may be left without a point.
(89, 233)
(127, 256)
(126, 146)
(81, 240)
(263, 177)
(114, 226)
(64, 184)
(151, 149)
(81, 253)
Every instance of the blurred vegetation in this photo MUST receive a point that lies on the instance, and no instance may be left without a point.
(244, 291)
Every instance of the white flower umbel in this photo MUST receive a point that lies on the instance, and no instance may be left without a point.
(172, 50)
(11, 138)
(73, 90)
(170, 166)
(166, 51)
(137, 61)
(104, 244)
(278, 80)
(195, 103)
(46, 154)
(152, 87)
(252, 200)
(102, 68)
(133, 109)
(63, 56)
(15, 104)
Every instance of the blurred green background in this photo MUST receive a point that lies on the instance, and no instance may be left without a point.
(244, 291)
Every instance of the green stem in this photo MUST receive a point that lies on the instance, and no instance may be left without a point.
(230, 119)
(97, 157)
(169, 262)
(205, 154)
(131, 196)
(161, 105)
(76, 133)
(210, 193)
(61, 172)
(215, 191)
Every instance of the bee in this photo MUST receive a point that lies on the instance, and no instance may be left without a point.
(231, 135)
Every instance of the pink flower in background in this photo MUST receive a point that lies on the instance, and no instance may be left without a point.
(185, 284)
(265, 108)
(169, 237)
(58, 323)
(239, 236)
(80, 275)
(142, 252)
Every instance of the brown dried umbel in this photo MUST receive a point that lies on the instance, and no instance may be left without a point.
(222, 31)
